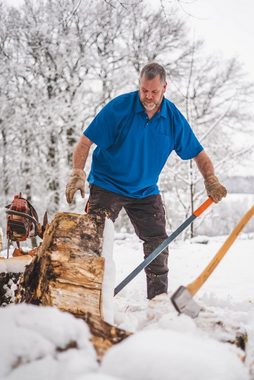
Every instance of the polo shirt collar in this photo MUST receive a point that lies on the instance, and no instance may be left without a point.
(163, 108)
(139, 105)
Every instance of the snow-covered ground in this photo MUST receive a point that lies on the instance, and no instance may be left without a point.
(44, 343)
(227, 296)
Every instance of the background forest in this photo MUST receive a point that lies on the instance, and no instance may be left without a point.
(62, 60)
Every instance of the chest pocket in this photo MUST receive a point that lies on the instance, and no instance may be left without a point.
(161, 127)
(161, 138)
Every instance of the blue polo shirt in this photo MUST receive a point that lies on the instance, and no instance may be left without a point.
(132, 150)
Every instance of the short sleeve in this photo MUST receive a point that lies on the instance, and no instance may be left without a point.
(187, 145)
(103, 129)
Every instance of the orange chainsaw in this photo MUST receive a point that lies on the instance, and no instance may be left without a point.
(22, 221)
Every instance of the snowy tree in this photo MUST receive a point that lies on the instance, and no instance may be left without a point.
(216, 100)
(61, 61)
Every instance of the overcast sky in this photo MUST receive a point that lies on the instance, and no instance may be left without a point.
(227, 26)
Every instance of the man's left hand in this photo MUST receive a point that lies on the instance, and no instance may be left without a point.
(215, 189)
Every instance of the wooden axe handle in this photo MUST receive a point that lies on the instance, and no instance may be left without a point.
(194, 286)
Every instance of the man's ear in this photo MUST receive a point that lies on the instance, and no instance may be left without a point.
(165, 87)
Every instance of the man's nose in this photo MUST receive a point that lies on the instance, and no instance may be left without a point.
(149, 95)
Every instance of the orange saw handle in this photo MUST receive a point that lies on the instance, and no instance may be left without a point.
(203, 207)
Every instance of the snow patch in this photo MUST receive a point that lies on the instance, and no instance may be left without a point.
(45, 341)
(158, 354)
(99, 376)
(14, 264)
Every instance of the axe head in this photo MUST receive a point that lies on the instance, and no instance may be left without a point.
(184, 303)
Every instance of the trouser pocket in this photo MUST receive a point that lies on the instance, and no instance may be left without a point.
(102, 201)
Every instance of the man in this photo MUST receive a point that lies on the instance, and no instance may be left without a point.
(134, 134)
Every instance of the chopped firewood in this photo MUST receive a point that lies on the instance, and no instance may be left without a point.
(11, 271)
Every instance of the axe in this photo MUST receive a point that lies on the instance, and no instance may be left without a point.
(182, 299)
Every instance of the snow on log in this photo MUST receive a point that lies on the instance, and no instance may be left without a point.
(68, 273)
(1, 239)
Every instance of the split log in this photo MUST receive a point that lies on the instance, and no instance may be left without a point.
(68, 273)
(11, 271)
(8, 287)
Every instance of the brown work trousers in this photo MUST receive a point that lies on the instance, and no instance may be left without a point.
(147, 216)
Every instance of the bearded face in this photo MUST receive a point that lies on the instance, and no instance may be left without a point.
(151, 93)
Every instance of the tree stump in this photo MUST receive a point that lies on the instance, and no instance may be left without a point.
(68, 273)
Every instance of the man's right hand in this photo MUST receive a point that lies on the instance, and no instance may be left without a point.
(76, 182)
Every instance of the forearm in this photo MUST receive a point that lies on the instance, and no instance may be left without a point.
(213, 187)
(204, 165)
(81, 152)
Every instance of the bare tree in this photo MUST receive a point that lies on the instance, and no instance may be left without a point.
(62, 60)
(216, 100)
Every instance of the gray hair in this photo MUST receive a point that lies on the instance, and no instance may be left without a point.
(151, 70)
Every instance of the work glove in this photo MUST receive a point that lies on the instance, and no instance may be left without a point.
(76, 182)
(214, 189)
